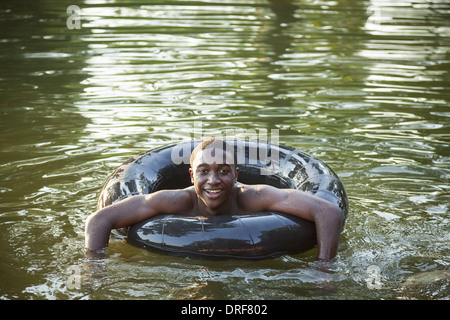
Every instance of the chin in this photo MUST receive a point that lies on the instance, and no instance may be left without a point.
(214, 205)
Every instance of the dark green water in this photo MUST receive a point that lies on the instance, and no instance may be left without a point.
(362, 85)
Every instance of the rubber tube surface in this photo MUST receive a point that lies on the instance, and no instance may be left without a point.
(259, 235)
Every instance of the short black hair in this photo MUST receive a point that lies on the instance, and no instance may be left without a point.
(217, 143)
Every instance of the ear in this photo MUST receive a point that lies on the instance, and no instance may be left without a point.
(191, 173)
(236, 173)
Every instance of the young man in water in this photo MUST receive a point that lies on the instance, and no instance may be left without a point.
(215, 191)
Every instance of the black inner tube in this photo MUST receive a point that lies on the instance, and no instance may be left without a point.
(260, 235)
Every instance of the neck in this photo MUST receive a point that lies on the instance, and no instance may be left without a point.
(225, 209)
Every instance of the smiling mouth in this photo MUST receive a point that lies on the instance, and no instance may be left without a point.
(213, 192)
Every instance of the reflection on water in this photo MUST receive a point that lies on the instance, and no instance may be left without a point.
(363, 85)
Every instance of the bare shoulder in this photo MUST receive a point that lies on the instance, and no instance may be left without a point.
(177, 201)
(181, 194)
(256, 197)
(257, 190)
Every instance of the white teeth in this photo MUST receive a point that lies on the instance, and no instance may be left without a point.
(213, 191)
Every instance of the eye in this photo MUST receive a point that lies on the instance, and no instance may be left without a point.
(224, 171)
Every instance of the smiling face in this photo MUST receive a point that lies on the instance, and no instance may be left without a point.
(213, 181)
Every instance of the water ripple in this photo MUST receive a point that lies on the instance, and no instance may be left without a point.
(362, 85)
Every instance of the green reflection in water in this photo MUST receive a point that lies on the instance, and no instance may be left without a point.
(363, 85)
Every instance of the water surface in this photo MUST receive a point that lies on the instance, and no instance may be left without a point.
(362, 85)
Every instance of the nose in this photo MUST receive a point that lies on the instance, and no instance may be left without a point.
(213, 178)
